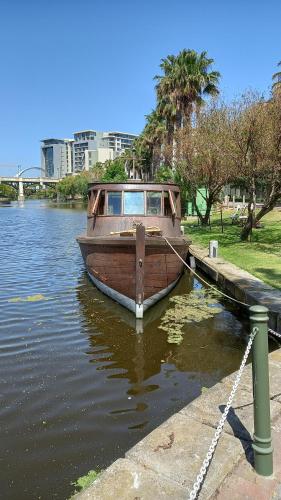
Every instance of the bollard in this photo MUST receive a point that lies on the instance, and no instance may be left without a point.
(262, 432)
(213, 248)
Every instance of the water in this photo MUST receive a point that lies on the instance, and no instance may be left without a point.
(79, 385)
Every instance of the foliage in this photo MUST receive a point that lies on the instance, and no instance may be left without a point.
(84, 481)
(164, 174)
(276, 85)
(186, 79)
(115, 171)
(32, 192)
(180, 90)
(195, 306)
(256, 134)
(8, 192)
(97, 171)
(74, 185)
(204, 154)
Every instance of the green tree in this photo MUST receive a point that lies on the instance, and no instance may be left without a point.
(115, 171)
(8, 192)
(186, 80)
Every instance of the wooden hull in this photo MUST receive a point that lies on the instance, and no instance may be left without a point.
(111, 264)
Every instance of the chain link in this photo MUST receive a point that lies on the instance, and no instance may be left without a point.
(219, 429)
(274, 333)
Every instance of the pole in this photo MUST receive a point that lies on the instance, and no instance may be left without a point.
(262, 434)
(140, 256)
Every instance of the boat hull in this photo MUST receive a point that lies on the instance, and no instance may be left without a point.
(111, 265)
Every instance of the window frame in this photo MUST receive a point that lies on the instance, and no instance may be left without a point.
(95, 197)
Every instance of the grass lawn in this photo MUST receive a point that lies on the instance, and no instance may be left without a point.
(260, 257)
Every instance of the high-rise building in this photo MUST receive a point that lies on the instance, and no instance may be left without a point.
(60, 157)
(86, 140)
(56, 157)
(118, 141)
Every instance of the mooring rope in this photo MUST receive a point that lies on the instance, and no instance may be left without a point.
(200, 278)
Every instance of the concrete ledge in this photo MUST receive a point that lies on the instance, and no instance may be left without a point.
(127, 480)
(242, 285)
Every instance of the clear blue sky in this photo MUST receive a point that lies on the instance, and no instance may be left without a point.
(69, 65)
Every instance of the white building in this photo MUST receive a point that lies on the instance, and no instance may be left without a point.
(60, 157)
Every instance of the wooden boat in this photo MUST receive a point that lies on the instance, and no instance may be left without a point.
(124, 251)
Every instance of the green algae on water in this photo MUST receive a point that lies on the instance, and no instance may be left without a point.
(29, 298)
(195, 306)
(84, 481)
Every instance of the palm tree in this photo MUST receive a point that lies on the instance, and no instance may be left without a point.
(276, 80)
(186, 80)
(153, 136)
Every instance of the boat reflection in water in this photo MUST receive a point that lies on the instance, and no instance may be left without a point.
(209, 349)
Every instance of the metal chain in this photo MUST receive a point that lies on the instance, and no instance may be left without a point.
(219, 429)
(274, 333)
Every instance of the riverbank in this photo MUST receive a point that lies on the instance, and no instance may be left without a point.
(240, 284)
(166, 462)
(261, 257)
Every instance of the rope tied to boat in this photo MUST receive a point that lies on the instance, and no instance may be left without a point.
(199, 277)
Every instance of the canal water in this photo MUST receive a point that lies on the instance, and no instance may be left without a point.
(79, 384)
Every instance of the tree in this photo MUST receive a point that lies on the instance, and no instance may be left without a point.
(74, 186)
(276, 85)
(250, 144)
(115, 171)
(148, 145)
(186, 80)
(8, 192)
(204, 157)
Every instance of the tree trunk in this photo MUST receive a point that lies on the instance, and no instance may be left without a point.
(251, 221)
(204, 219)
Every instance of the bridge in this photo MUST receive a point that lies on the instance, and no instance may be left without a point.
(19, 181)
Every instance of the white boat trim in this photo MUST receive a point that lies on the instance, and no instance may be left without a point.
(130, 303)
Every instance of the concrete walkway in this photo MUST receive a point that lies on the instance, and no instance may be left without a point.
(165, 463)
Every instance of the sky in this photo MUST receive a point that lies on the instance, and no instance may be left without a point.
(69, 65)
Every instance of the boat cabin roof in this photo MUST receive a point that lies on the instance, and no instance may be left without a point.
(133, 186)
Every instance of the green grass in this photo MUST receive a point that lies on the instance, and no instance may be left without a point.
(260, 257)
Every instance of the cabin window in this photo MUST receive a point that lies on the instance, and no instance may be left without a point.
(153, 203)
(167, 206)
(114, 203)
(100, 210)
(133, 202)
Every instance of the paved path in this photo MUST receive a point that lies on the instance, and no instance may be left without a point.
(165, 463)
(244, 483)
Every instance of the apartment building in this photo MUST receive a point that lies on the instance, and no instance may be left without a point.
(56, 157)
(60, 157)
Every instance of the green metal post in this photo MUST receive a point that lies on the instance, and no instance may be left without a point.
(262, 434)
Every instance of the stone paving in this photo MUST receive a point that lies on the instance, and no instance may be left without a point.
(165, 463)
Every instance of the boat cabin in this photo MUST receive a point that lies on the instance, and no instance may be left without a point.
(117, 206)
